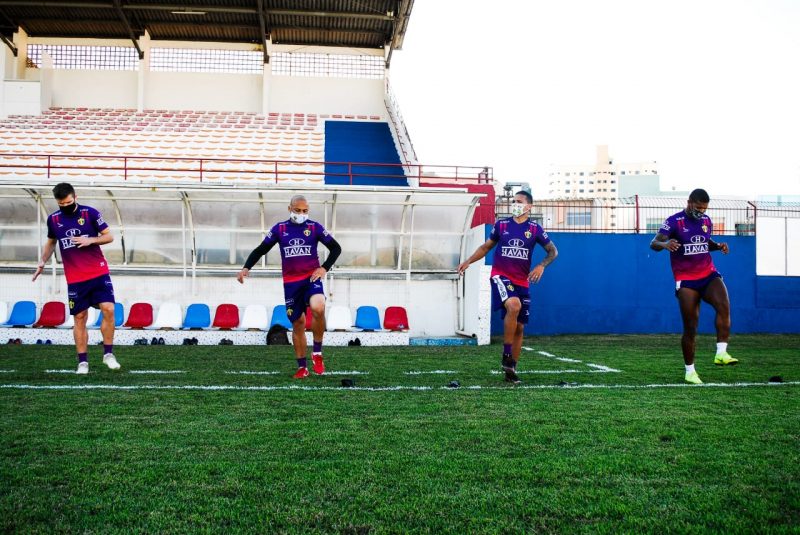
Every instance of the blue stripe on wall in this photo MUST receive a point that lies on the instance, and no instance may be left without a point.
(352, 141)
(614, 283)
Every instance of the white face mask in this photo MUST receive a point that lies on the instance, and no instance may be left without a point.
(298, 218)
(518, 209)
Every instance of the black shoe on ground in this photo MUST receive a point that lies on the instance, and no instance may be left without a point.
(161, 342)
(510, 369)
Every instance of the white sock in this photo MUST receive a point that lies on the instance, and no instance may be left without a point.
(689, 368)
(722, 347)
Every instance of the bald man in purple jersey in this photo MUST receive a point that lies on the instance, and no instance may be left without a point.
(687, 236)
(511, 274)
(297, 239)
(79, 231)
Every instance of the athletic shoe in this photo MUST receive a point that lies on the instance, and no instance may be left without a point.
(319, 365)
(302, 373)
(111, 361)
(693, 378)
(723, 358)
(83, 368)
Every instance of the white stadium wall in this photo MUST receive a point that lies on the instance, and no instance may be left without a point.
(327, 95)
(203, 91)
(94, 89)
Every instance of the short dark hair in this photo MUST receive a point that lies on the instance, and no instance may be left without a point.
(527, 195)
(63, 190)
(699, 195)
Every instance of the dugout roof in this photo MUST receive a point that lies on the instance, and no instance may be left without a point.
(344, 23)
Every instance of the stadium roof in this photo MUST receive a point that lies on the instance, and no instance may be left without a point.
(345, 23)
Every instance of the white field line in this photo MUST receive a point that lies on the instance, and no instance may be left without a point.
(59, 371)
(602, 368)
(352, 372)
(245, 372)
(391, 388)
(144, 372)
(433, 372)
(555, 372)
(7, 371)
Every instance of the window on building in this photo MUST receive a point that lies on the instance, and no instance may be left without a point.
(579, 218)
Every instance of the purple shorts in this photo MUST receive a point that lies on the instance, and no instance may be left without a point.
(85, 294)
(700, 285)
(502, 290)
(298, 296)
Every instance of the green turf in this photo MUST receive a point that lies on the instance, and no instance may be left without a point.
(495, 459)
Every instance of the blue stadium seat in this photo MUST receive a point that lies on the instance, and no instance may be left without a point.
(279, 317)
(368, 318)
(198, 316)
(22, 315)
(119, 317)
(354, 141)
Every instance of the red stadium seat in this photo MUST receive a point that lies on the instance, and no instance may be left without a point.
(395, 319)
(226, 317)
(140, 316)
(53, 314)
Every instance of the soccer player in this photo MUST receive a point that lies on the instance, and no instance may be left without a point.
(511, 274)
(79, 231)
(687, 236)
(297, 238)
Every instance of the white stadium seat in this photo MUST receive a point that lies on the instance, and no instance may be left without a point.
(169, 316)
(339, 318)
(255, 317)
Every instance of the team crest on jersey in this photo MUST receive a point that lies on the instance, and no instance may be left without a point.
(705, 228)
(289, 312)
(71, 303)
(81, 221)
(528, 234)
(510, 287)
(307, 232)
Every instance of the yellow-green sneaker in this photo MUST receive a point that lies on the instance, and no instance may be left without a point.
(693, 378)
(723, 358)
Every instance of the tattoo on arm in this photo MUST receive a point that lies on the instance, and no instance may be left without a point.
(552, 253)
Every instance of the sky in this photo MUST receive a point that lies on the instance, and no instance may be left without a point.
(709, 89)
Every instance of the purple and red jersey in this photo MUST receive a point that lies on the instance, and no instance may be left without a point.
(84, 263)
(298, 245)
(693, 260)
(514, 250)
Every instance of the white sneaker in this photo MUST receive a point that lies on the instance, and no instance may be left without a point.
(111, 361)
(83, 368)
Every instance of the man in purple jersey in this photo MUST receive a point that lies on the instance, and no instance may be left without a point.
(297, 238)
(687, 236)
(511, 274)
(80, 231)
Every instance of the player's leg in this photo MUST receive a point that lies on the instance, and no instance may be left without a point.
(522, 321)
(81, 336)
(689, 303)
(717, 296)
(295, 311)
(107, 327)
(317, 304)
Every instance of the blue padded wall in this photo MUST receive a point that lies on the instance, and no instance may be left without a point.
(351, 141)
(614, 283)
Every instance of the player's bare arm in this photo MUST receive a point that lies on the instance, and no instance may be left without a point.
(479, 253)
(662, 241)
(47, 252)
(721, 246)
(536, 273)
(104, 237)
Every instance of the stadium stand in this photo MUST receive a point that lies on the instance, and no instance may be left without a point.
(198, 316)
(3, 312)
(395, 319)
(226, 316)
(368, 318)
(254, 317)
(279, 317)
(339, 318)
(140, 316)
(363, 143)
(168, 317)
(52, 315)
(23, 314)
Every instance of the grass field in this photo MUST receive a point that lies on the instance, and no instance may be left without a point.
(624, 446)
